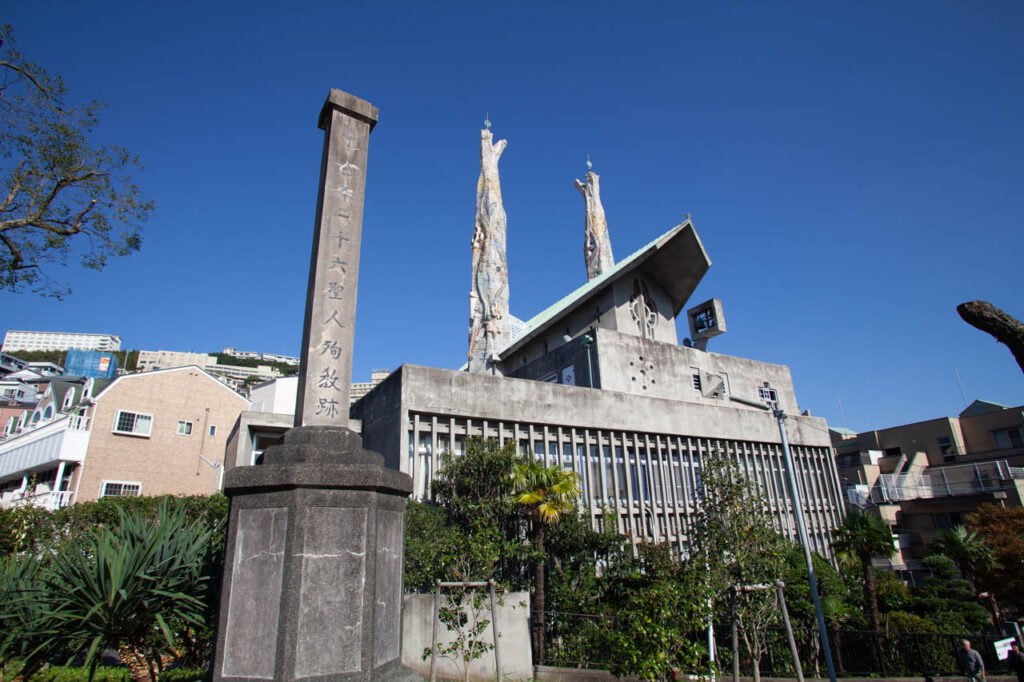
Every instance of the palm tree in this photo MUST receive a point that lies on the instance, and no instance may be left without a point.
(863, 536)
(547, 493)
(967, 550)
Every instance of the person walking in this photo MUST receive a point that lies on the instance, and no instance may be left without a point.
(974, 667)
(1015, 661)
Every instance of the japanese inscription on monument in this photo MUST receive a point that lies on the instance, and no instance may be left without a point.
(326, 371)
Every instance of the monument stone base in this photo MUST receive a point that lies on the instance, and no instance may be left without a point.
(313, 569)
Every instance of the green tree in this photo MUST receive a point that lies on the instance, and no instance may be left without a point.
(946, 599)
(865, 536)
(967, 550)
(655, 602)
(548, 494)
(59, 189)
(740, 549)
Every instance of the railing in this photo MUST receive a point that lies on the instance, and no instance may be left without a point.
(50, 499)
(964, 479)
(580, 641)
(72, 422)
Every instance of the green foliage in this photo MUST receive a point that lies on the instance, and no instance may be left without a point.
(893, 593)
(39, 532)
(966, 549)
(475, 492)
(831, 589)
(656, 606)
(133, 571)
(863, 536)
(437, 550)
(947, 600)
(901, 621)
(57, 184)
(579, 561)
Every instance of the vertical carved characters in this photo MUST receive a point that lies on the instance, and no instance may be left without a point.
(326, 369)
(488, 297)
(597, 246)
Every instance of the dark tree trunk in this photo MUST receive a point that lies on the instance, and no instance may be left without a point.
(538, 598)
(870, 593)
(1006, 329)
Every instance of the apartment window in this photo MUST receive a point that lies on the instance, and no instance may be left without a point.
(184, 428)
(947, 449)
(893, 452)
(120, 489)
(695, 380)
(1008, 438)
(133, 423)
(768, 394)
(213, 431)
(944, 520)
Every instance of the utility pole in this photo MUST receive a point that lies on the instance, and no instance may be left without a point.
(798, 513)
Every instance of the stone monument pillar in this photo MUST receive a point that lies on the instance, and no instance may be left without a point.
(313, 570)
(488, 297)
(597, 245)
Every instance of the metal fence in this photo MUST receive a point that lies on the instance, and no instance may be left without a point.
(580, 641)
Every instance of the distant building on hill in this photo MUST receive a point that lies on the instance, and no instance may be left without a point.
(267, 357)
(163, 359)
(32, 341)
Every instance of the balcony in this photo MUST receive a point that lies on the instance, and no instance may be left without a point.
(65, 439)
(951, 481)
(45, 499)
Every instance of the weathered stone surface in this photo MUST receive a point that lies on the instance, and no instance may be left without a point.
(327, 333)
(488, 297)
(254, 603)
(387, 614)
(330, 623)
(597, 245)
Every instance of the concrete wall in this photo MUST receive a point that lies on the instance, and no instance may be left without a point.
(513, 638)
(631, 364)
(385, 422)
(164, 462)
(624, 290)
(239, 451)
(977, 429)
(447, 392)
(276, 396)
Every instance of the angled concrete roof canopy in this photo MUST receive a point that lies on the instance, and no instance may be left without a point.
(676, 261)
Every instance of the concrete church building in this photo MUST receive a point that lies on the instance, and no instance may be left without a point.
(600, 384)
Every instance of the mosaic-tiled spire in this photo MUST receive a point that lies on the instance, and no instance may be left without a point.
(597, 246)
(488, 297)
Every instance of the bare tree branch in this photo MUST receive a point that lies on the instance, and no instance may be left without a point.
(1005, 328)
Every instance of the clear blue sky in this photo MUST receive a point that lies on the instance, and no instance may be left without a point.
(855, 170)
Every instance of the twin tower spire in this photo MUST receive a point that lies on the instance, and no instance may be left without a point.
(489, 321)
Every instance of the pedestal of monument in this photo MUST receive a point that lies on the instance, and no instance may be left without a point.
(313, 570)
